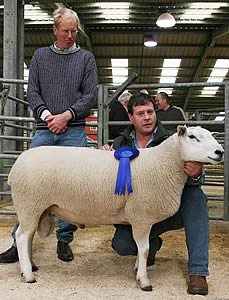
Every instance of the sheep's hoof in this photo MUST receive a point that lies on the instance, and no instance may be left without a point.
(32, 280)
(147, 288)
(34, 268)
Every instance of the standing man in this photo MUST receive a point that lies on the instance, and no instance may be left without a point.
(168, 112)
(146, 131)
(62, 89)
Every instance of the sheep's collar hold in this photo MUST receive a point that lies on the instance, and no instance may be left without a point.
(123, 180)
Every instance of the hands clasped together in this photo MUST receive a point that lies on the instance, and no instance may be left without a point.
(58, 123)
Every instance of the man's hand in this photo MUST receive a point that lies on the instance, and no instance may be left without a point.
(58, 123)
(192, 168)
(106, 147)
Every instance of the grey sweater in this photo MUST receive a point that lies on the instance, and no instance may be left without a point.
(60, 81)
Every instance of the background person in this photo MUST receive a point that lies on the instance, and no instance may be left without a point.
(62, 89)
(168, 112)
(146, 131)
(118, 112)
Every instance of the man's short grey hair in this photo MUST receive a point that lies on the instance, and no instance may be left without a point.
(64, 12)
(124, 97)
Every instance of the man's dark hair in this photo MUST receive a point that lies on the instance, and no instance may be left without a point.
(138, 99)
(165, 96)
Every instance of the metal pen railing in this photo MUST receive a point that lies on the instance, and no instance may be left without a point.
(103, 123)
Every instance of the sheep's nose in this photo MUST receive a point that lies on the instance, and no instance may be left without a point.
(219, 152)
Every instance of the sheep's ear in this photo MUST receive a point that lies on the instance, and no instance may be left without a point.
(181, 130)
(214, 133)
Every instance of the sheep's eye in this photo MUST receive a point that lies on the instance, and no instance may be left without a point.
(193, 137)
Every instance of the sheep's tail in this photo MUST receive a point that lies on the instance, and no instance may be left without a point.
(46, 224)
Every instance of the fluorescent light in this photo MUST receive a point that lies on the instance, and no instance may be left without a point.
(35, 13)
(115, 10)
(202, 10)
(218, 74)
(220, 118)
(222, 63)
(119, 70)
(26, 75)
(208, 5)
(169, 72)
(167, 79)
(209, 91)
(168, 91)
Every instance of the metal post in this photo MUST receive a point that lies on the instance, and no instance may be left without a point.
(20, 52)
(10, 66)
(20, 60)
(226, 156)
(105, 117)
(3, 100)
(10, 57)
(198, 115)
(100, 116)
(121, 89)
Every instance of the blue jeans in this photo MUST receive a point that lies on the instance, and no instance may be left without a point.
(73, 137)
(192, 216)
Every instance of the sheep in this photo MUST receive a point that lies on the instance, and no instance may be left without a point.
(77, 185)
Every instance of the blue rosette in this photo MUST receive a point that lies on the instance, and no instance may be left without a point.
(123, 180)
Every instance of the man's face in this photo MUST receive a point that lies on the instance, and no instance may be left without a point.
(161, 102)
(144, 118)
(66, 32)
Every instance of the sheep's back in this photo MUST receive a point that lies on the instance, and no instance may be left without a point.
(59, 173)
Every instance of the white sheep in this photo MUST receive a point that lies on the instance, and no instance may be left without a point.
(77, 185)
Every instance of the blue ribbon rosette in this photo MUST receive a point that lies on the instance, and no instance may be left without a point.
(123, 180)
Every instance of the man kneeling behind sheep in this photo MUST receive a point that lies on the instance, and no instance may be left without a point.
(151, 200)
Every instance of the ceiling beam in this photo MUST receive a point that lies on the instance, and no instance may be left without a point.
(149, 77)
(155, 68)
(151, 57)
(158, 46)
(222, 31)
(129, 28)
(215, 35)
(196, 75)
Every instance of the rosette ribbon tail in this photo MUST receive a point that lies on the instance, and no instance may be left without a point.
(124, 180)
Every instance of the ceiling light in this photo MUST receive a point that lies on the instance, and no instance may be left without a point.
(166, 20)
(149, 41)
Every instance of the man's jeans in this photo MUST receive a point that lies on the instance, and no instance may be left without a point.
(73, 137)
(192, 216)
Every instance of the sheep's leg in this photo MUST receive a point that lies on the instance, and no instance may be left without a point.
(24, 246)
(136, 264)
(34, 267)
(141, 236)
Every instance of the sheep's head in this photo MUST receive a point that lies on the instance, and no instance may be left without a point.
(198, 144)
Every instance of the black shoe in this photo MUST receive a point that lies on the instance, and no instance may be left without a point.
(9, 256)
(64, 251)
(151, 258)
